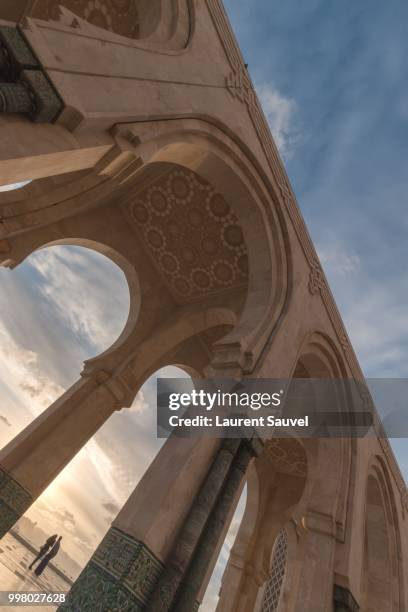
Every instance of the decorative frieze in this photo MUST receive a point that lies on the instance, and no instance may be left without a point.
(404, 501)
(239, 85)
(15, 54)
(24, 86)
(316, 278)
(120, 576)
(14, 501)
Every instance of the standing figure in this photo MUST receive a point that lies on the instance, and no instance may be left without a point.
(44, 548)
(47, 558)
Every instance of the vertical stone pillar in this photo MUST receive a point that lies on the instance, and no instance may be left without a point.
(30, 462)
(315, 592)
(125, 569)
(187, 597)
(193, 528)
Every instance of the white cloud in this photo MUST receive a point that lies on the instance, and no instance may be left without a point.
(87, 291)
(279, 112)
(13, 186)
(23, 377)
(336, 260)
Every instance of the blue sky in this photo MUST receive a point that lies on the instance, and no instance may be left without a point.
(341, 67)
(332, 79)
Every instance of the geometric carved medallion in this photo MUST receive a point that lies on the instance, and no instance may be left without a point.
(192, 236)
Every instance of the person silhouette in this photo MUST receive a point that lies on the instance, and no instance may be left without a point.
(47, 558)
(44, 548)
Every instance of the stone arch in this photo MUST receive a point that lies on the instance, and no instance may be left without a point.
(382, 577)
(171, 345)
(319, 358)
(276, 481)
(212, 155)
(48, 199)
(289, 487)
(151, 21)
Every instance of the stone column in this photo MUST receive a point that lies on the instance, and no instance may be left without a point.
(125, 569)
(30, 462)
(192, 530)
(315, 592)
(187, 596)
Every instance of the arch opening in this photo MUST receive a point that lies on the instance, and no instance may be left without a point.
(380, 583)
(56, 311)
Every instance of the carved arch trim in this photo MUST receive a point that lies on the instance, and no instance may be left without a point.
(212, 154)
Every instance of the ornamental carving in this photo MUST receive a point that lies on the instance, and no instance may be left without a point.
(316, 278)
(288, 456)
(240, 86)
(118, 16)
(192, 236)
(404, 501)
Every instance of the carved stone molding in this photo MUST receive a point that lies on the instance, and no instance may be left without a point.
(122, 385)
(239, 85)
(316, 278)
(404, 502)
(320, 523)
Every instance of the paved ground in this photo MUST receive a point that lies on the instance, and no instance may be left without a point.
(15, 575)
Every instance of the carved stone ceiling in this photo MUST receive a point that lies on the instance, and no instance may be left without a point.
(119, 16)
(191, 235)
